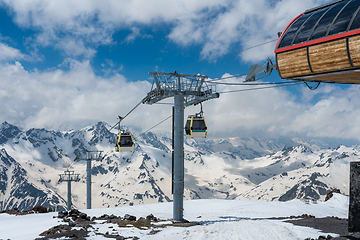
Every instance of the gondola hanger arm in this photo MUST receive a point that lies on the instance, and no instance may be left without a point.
(258, 69)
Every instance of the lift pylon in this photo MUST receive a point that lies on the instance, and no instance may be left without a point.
(187, 90)
(69, 176)
(88, 156)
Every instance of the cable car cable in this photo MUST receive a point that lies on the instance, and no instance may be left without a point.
(122, 118)
(164, 103)
(285, 84)
(254, 84)
(244, 83)
(225, 55)
(155, 125)
(250, 89)
(312, 87)
(216, 79)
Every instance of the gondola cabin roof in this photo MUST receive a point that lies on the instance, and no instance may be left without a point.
(322, 44)
(332, 21)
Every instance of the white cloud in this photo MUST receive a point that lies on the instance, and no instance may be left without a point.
(135, 33)
(74, 99)
(8, 53)
(77, 98)
(215, 24)
(332, 112)
(92, 22)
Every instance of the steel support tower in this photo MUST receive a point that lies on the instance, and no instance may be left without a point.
(88, 157)
(69, 176)
(187, 90)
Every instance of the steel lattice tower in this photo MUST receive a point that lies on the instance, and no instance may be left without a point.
(187, 90)
(88, 157)
(69, 176)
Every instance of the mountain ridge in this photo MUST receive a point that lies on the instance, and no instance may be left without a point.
(251, 168)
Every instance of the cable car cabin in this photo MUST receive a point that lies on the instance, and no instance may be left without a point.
(322, 44)
(195, 127)
(125, 142)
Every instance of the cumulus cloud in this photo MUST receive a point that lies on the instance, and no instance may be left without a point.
(72, 99)
(8, 53)
(332, 112)
(217, 25)
(135, 33)
(91, 23)
(241, 23)
(77, 98)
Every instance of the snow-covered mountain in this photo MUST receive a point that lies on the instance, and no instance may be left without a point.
(255, 169)
(298, 172)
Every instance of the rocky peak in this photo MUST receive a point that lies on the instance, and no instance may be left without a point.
(302, 149)
(8, 131)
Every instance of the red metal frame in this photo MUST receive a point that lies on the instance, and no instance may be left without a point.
(286, 29)
(317, 41)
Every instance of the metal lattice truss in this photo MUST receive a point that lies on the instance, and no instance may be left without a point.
(69, 176)
(194, 88)
(90, 155)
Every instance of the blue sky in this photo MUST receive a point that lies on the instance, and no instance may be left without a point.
(68, 64)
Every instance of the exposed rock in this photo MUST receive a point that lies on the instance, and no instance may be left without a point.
(61, 231)
(330, 194)
(56, 229)
(83, 215)
(129, 217)
(62, 214)
(39, 209)
(151, 218)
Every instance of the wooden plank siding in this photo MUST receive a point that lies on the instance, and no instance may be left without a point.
(293, 63)
(354, 49)
(328, 57)
(328, 61)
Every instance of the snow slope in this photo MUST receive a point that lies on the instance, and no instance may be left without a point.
(220, 219)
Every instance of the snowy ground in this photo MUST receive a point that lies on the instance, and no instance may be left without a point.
(220, 219)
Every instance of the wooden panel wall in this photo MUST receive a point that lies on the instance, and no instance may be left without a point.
(323, 62)
(293, 63)
(354, 49)
(327, 57)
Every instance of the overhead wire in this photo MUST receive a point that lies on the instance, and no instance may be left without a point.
(253, 84)
(213, 80)
(121, 118)
(109, 130)
(242, 83)
(225, 55)
(251, 89)
(155, 125)
(284, 84)
(216, 79)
